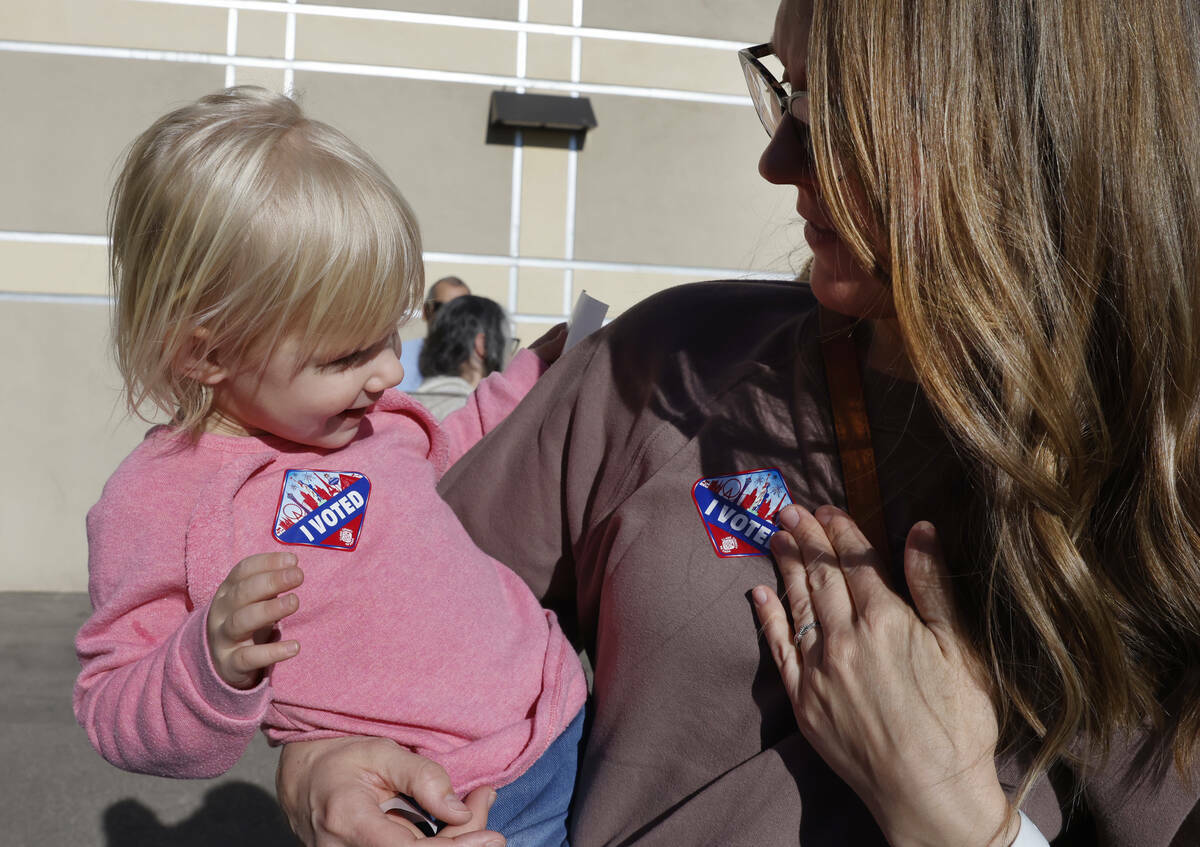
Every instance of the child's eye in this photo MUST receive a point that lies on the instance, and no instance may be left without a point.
(344, 362)
(359, 356)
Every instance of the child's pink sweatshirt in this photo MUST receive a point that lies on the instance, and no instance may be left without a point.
(407, 629)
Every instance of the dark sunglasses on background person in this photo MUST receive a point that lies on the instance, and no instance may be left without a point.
(771, 100)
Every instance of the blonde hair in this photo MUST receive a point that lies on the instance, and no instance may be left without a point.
(1031, 175)
(240, 217)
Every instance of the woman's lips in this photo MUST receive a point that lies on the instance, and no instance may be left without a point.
(819, 236)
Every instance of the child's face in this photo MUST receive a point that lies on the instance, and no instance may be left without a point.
(318, 402)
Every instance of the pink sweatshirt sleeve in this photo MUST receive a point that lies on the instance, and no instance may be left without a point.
(491, 402)
(147, 694)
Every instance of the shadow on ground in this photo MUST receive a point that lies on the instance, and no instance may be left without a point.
(56, 790)
(235, 814)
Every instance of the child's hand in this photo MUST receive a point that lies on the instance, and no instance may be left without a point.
(244, 612)
(550, 346)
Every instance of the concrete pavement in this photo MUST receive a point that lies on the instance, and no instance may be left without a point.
(55, 790)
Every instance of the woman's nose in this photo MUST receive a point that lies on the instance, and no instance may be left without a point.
(787, 160)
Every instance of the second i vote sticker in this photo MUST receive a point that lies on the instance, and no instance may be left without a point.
(322, 508)
(740, 510)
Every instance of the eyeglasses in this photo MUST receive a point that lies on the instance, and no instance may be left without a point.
(771, 99)
(514, 344)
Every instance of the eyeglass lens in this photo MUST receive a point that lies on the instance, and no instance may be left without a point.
(766, 101)
(769, 107)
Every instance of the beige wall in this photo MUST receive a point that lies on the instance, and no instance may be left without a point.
(664, 189)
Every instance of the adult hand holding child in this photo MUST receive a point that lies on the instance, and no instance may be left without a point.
(335, 815)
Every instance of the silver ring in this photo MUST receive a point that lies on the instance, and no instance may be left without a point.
(804, 630)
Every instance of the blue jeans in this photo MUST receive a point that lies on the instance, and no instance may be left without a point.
(532, 811)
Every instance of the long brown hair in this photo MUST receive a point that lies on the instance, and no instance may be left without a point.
(1033, 170)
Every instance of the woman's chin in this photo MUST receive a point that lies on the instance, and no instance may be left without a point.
(842, 285)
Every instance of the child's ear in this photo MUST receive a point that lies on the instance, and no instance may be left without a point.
(197, 360)
(480, 344)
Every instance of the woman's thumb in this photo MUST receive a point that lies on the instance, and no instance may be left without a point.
(929, 580)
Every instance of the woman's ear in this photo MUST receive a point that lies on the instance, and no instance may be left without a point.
(197, 360)
(480, 345)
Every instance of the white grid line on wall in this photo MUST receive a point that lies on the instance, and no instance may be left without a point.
(518, 167)
(231, 36)
(568, 294)
(104, 300)
(469, 259)
(289, 51)
(69, 299)
(54, 238)
(464, 22)
(395, 71)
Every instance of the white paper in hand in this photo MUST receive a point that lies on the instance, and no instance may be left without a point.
(586, 318)
(407, 808)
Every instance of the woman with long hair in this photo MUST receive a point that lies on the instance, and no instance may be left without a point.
(1034, 209)
(1002, 341)
(469, 338)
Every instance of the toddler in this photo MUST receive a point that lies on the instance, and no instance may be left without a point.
(261, 263)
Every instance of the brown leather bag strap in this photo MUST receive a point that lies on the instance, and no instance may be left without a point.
(852, 428)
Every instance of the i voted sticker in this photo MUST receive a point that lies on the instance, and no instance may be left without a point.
(740, 510)
(322, 508)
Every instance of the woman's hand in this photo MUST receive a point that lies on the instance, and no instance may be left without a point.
(893, 702)
(331, 791)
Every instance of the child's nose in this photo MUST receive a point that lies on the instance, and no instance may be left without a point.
(386, 371)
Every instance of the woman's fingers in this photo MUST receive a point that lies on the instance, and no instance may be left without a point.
(480, 803)
(898, 714)
(861, 566)
(790, 562)
(423, 780)
(827, 591)
(778, 633)
(331, 790)
(929, 581)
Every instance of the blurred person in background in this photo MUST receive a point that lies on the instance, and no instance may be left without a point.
(441, 292)
(468, 340)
